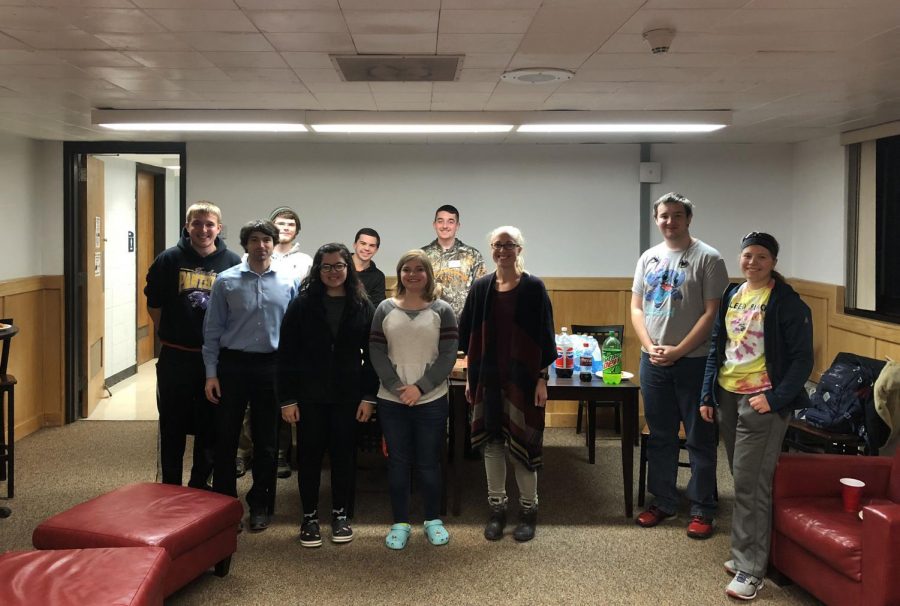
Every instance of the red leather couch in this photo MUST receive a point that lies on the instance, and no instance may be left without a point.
(834, 555)
(121, 576)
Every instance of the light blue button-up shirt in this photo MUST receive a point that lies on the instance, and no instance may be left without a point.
(245, 312)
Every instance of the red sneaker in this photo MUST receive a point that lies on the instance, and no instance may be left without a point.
(700, 527)
(652, 516)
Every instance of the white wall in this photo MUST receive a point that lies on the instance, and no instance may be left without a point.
(819, 210)
(174, 221)
(30, 207)
(590, 193)
(584, 191)
(120, 265)
(735, 189)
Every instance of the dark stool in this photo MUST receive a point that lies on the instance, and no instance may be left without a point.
(7, 421)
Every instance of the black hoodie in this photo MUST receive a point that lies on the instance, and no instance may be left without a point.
(179, 283)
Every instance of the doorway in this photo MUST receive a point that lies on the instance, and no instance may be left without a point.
(106, 258)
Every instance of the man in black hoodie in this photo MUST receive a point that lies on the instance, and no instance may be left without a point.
(178, 287)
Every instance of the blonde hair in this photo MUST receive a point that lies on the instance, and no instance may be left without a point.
(432, 288)
(516, 234)
(202, 207)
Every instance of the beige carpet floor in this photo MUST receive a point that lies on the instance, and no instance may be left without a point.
(586, 551)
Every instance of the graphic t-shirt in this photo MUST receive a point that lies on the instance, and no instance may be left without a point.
(744, 369)
(674, 286)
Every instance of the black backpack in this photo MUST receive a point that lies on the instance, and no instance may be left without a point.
(840, 401)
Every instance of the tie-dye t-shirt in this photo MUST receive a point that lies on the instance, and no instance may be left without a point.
(744, 370)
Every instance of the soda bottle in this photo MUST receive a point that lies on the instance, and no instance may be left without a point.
(565, 355)
(587, 363)
(612, 360)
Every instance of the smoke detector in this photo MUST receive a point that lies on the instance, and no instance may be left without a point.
(659, 39)
(537, 75)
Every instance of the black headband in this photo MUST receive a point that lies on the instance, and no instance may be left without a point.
(761, 239)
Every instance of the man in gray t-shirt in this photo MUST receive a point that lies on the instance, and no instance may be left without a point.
(675, 297)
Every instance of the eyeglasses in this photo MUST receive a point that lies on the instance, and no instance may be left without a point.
(328, 267)
(504, 245)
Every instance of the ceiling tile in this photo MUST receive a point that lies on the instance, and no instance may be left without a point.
(346, 101)
(463, 87)
(199, 74)
(246, 59)
(79, 3)
(338, 87)
(297, 5)
(175, 59)
(180, 4)
(671, 59)
(166, 42)
(489, 4)
(392, 22)
(202, 20)
(112, 20)
(271, 75)
(227, 41)
(32, 19)
(395, 43)
(682, 20)
(320, 43)
(401, 88)
(768, 21)
(402, 5)
(485, 21)
(308, 60)
(28, 57)
(311, 76)
(487, 60)
(480, 75)
(7, 43)
(478, 43)
(298, 21)
(570, 62)
(70, 39)
(29, 72)
(538, 44)
(97, 58)
(212, 88)
(122, 73)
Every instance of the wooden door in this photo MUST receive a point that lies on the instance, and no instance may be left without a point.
(95, 251)
(144, 249)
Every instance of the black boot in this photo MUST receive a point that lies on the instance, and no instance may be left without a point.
(527, 524)
(493, 531)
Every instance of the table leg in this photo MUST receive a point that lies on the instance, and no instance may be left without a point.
(592, 432)
(459, 409)
(629, 426)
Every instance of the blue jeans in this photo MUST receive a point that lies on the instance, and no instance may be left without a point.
(414, 434)
(672, 396)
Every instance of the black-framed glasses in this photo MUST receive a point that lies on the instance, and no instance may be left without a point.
(504, 245)
(328, 267)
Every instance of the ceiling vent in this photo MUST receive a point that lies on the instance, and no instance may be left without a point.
(398, 68)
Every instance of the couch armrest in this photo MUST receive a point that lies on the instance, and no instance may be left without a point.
(881, 554)
(811, 475)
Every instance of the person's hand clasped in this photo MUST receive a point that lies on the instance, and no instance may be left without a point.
(364, 411)
(291, 413)
(708, 413)
(212, 390)
(760, 403)
(410, 394)
(664, 355)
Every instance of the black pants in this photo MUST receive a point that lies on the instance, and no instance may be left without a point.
(184, 409)
(327, 428)
(247, 379)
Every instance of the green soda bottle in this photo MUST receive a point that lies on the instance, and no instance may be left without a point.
(612, 360)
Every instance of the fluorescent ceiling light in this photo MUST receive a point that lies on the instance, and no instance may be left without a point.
(411, 128)
(619, 128)
(240, 127)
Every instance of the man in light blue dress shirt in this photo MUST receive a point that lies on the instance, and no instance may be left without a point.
(240, 338)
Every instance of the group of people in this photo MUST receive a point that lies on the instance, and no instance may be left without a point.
(721, 359)
(317, 338)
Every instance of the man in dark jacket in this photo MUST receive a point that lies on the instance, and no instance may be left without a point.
(178, 287)
(365, 244)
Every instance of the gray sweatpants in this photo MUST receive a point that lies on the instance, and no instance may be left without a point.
(753, 443)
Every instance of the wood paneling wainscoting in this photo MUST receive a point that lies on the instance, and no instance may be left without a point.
(36, 354)
(834, 331)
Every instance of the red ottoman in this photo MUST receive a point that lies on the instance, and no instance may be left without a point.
(197, 528)
(131, 576)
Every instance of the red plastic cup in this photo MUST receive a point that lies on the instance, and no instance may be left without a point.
(851, 492)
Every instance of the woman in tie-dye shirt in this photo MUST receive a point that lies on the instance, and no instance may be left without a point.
(759, 360)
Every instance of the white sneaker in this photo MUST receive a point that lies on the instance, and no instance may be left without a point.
(744, 586)
(729, 567)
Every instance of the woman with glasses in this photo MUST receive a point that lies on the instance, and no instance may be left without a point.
(413, 344)
(759, 360)
(506, 328)
(326, 384)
